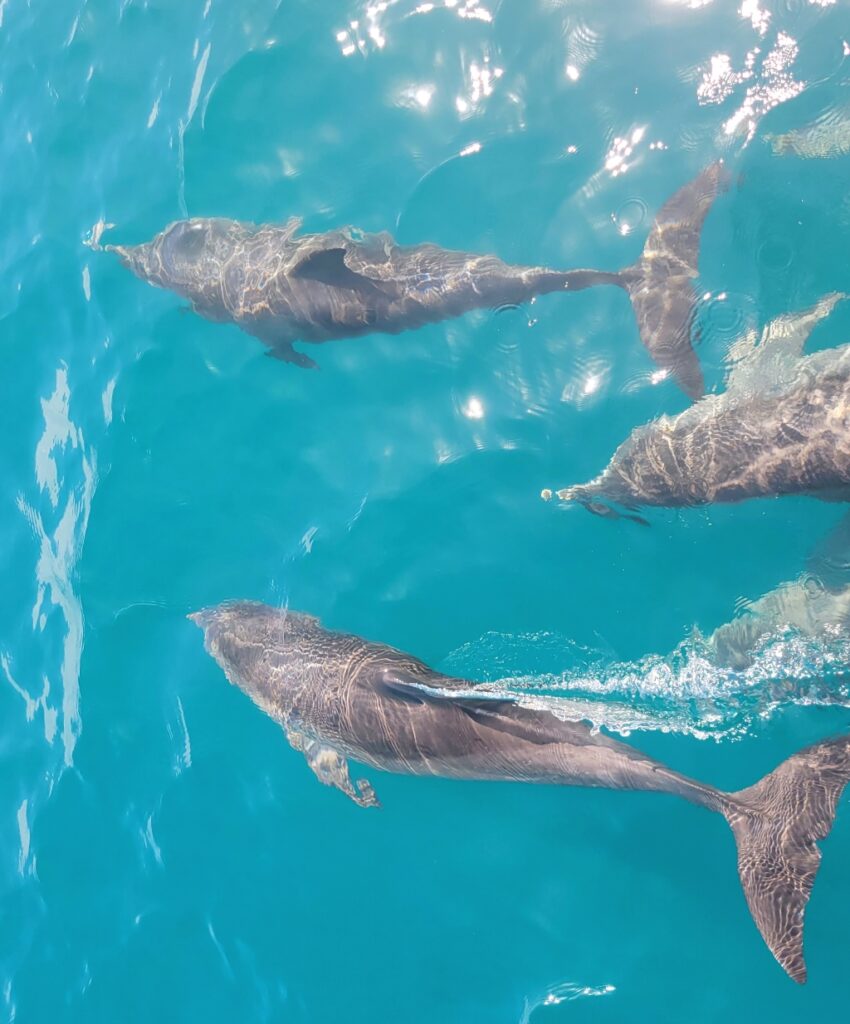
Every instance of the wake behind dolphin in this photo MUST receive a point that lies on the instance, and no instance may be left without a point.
(782, 426)
(280, 286)
(338, 696)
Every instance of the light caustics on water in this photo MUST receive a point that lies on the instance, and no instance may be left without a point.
(687, 691)
(65, 470)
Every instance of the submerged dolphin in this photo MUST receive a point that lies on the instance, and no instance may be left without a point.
(826, 137)
(782, 426)
(816, 604)
(280, 286)
(338, 697)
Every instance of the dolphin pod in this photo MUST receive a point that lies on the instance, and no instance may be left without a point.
(338, 696)
(782, 426)
(281, 286)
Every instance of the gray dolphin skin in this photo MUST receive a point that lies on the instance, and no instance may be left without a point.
(338, 696)
(816, 604)
(826, 137)
(280, 286)
(782, 426)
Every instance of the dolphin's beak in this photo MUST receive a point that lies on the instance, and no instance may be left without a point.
(129, 256)
(123, 253)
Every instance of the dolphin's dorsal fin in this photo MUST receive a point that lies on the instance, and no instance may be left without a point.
(496, 710)
(331, 267)
(829, 561)
(412, 688)
(758, 364)
(370, 255)
(291, 227)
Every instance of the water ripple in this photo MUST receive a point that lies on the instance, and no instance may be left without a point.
(70, 493)
(686, 692)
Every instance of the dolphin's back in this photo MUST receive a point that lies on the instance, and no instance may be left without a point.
(727, 448)
(796, 444)
(318, 287)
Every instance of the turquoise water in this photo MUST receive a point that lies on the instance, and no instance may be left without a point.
(164, 855)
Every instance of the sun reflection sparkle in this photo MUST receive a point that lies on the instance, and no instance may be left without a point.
(481, 79)
(759, 17)
(474, 409)
(617, 157)
(776, 84)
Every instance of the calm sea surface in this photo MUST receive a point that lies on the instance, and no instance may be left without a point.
(164, 855)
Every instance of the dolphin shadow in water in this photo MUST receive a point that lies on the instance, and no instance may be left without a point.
(280, 286)
(782, 426)
(338, 696)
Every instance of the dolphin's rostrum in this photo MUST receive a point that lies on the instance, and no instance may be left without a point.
(338, 696)
(782, 426)
(281, 286)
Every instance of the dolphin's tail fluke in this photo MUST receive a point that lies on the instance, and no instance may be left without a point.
(776, 824)
(661, 283)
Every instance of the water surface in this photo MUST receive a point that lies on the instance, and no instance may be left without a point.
(163, 853)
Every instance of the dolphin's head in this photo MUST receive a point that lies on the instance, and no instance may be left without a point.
(181, 255)
(265, 651)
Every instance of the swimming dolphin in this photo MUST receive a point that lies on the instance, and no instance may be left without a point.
(280, 286)
(782, 426)
(826, 137)
(338, 696)
(816, 604)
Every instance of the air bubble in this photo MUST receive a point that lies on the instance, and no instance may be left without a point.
(630, 216)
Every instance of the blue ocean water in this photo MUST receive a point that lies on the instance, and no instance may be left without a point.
(164, 855)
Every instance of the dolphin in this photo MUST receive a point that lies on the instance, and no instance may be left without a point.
(338, 696)
(815, 604)
(826, 137)
(279, 285)
(782, 426)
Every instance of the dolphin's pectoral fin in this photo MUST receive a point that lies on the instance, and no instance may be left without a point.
(287, 354)
(331, 769)
(599, 508)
